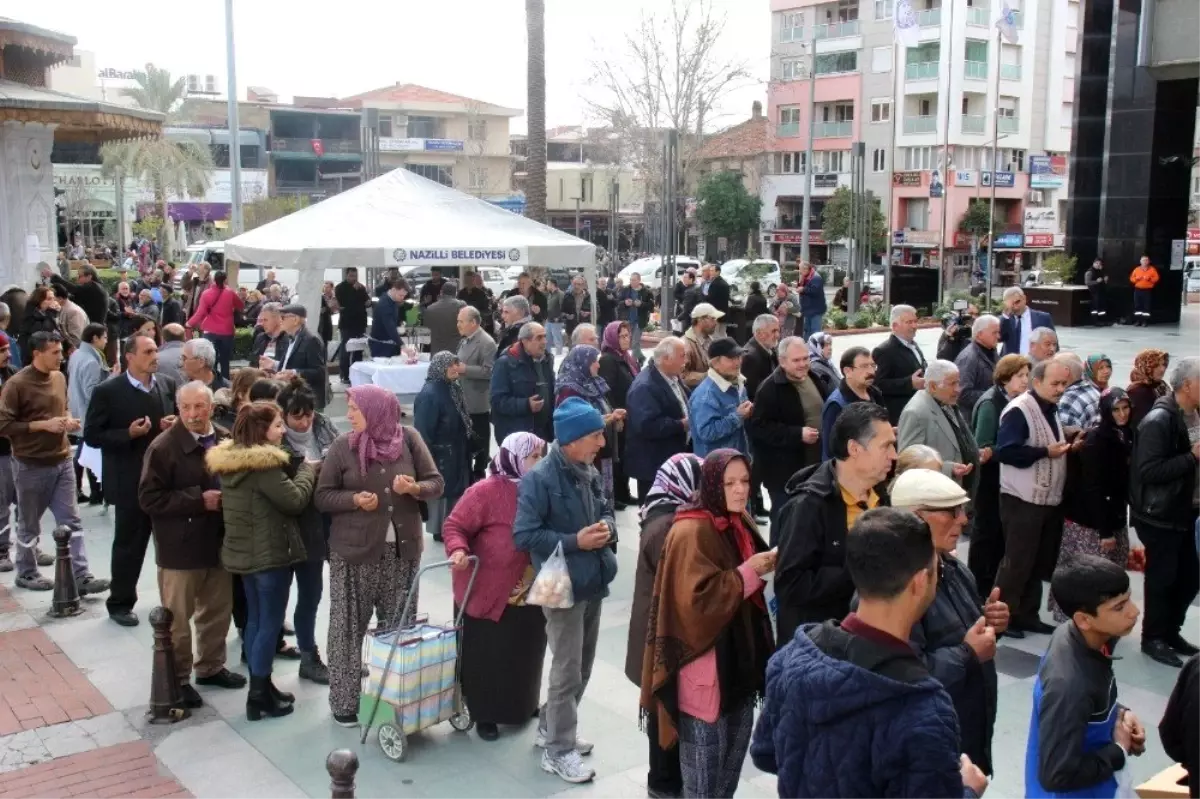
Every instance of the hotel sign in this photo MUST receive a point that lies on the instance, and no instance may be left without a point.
(912, 178)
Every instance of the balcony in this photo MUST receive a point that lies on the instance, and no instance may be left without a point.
(979, 16)
(929, 18)
(313, 149)
(973, 123)
(1009, 124)
(836, 30)
(831, 130)
(920, 124)
(924, 70)
(1010, 71)
(787, 130)
(975, 70)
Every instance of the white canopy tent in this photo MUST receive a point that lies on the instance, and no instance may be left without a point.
(402, 219)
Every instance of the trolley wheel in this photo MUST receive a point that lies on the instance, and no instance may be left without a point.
(392, 742)
(462, 721)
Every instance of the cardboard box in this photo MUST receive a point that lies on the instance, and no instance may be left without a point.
(1170, 783)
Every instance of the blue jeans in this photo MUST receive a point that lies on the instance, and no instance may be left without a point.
(42, 488)
(309, 585)
(635, 337)
(266, 605)
(812, 324)
(224, 347)
(554, 336)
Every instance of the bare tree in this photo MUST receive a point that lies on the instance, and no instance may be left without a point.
(476, 179)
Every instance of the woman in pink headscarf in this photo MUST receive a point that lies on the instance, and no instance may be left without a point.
(372, 481)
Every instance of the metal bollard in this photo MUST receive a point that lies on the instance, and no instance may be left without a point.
(342, 765)
(166, 703)
(66, 594)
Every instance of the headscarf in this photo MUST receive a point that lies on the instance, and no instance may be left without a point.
(382, 440)
(576, 374)
(816, 343)
(675, 484)
(1093, 361)
(509, 462)
(1108, 425)
(1144, 365)
(438, 365)
(611, 342)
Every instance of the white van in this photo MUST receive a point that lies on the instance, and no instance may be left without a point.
(740, 272)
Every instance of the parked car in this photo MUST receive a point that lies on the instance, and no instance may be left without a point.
(651, 269)
(741, 272)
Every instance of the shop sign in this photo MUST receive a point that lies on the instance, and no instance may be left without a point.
(913, 178)
(442, 256)
(915, 237)
(108, 73)
(1010, 241)
(964, 177)
(828, 180)
(1039, 221)
(814, 237)
(964, 240)
(1039, 240)
(445, 145)
(1193, 234)
(1004, 180)
(1047, 171)
(387, 144)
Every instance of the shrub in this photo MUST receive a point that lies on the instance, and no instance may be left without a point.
(835, 318)
(861, 320)
(790, 276)
(243, 341)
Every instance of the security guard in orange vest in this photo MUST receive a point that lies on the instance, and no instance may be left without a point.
(1144, 277)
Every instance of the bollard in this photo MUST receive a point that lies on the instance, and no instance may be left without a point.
(342, 764)
(166, 703)
(66, 594)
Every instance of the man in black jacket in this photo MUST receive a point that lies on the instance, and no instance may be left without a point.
(899, 362)
(536, 299)
(127, 412)
(432, 288)
(353, 303)
(716, 293)
(88, 293)
(760, 358)
(270, 342)
(823, 502)
(977, 362)
(1163, 504)
(304, 354)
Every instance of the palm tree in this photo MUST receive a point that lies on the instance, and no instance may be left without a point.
(535, 157)
(167, 166)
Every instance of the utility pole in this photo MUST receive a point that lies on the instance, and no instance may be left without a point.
(812, 126)
(235, 146)
(990, 271)
(667, 284)
(945, 99)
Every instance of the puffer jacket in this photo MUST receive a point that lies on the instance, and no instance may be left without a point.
(261, 506)
(846, 716)
(1163, 472)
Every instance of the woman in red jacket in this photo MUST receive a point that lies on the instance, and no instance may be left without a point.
(214, 317)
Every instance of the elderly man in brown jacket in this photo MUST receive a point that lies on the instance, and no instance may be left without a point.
(696, 341)
(184, 504)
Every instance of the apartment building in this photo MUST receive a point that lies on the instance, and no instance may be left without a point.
(925, 117)
(741, 148)
(454, 140)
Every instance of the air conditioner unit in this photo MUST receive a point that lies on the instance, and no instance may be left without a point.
(1035, 197)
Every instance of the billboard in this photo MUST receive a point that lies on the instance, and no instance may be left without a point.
(1047, 171)
(1041, 221)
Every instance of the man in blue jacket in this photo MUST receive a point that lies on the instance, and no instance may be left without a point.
(718, 407)
(658, 414)
(522, 387)
(560, 503)
(883, 726)
(812, 298)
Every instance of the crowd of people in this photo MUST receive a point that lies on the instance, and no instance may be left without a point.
(874, 468)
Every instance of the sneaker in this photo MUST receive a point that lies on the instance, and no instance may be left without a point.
(87, 584)
(6, 564)
(582, 745)
(569, 766)
(34, 582)
(44, 558)
(345, 719)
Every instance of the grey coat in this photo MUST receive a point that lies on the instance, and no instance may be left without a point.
(478, 354)
(976, 366)
(442, 320)
(924, 422)
(170, 361)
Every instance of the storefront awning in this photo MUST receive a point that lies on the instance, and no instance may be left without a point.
(75, 118)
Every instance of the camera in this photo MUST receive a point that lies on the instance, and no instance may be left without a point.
(960, 317)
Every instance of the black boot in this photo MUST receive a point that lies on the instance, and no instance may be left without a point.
(285, 697)
(262, 702)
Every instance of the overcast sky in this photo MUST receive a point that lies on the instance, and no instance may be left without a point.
(470, 47)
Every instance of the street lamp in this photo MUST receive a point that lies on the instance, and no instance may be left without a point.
(235, 145)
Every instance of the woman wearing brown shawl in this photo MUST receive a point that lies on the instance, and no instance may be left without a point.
(711, 634)
(1146, 383)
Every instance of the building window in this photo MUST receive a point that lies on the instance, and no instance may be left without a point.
(916, 158)
(424, 128)
(879, 160)
(883, 9)
(791, 27)
(585, 188)
(385, 127)
(916, 213)
(440, 174)
(479, 178)
(793, 69)
(831, 161)
(789, 115)
(881, 59)
(477, 130)
(881, 110)
(977, 51)
(836, 63)
(791, 163)
(839, 112)
(1018, 160)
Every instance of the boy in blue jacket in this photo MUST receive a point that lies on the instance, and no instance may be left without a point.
(850, 709)
(1079, 736)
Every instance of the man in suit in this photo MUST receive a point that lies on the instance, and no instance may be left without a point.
(305, 353)
(127, 412)
(932, 418)
(658, 414)
(1018, 322)
(716, 294)
(441, 317)
(899, 362)
(477, 353)
(271, 342)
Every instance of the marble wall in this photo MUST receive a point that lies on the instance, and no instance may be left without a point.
(26, 202)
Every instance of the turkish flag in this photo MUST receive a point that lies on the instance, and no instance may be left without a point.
(318, 147)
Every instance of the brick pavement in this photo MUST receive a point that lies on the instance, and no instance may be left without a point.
(40, 686)
(128, 769)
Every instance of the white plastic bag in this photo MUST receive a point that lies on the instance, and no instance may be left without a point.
(552, 586)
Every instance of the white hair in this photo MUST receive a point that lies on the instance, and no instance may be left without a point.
(580, 330)
(787, 343)
(983, 324)
(1186, 370)
(472, 313)
(898, 311)
(517, 303)
(1072, 361)
(528, 331)
(938, 371)
(196, 386)
(1012, 292)
(667, 347)
(203, 349)
(763, 321)
(1040, 333)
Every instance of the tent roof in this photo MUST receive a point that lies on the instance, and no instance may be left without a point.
(403, 219)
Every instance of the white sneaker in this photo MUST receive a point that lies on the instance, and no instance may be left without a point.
(582, 745)
(569, 766)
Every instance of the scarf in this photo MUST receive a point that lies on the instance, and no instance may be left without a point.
(382, 440)
(302, 443)
(816, 343)
(1143, 368)
(576, 374)
(438, 366)
(1108, 425)
(509, 462)
(675, 484)
(1091, 364)
(612, 343)
(698, 604)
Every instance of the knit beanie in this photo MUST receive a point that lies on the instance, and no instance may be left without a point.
(574, 419)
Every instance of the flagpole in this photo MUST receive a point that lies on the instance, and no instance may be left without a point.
(945, 159)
